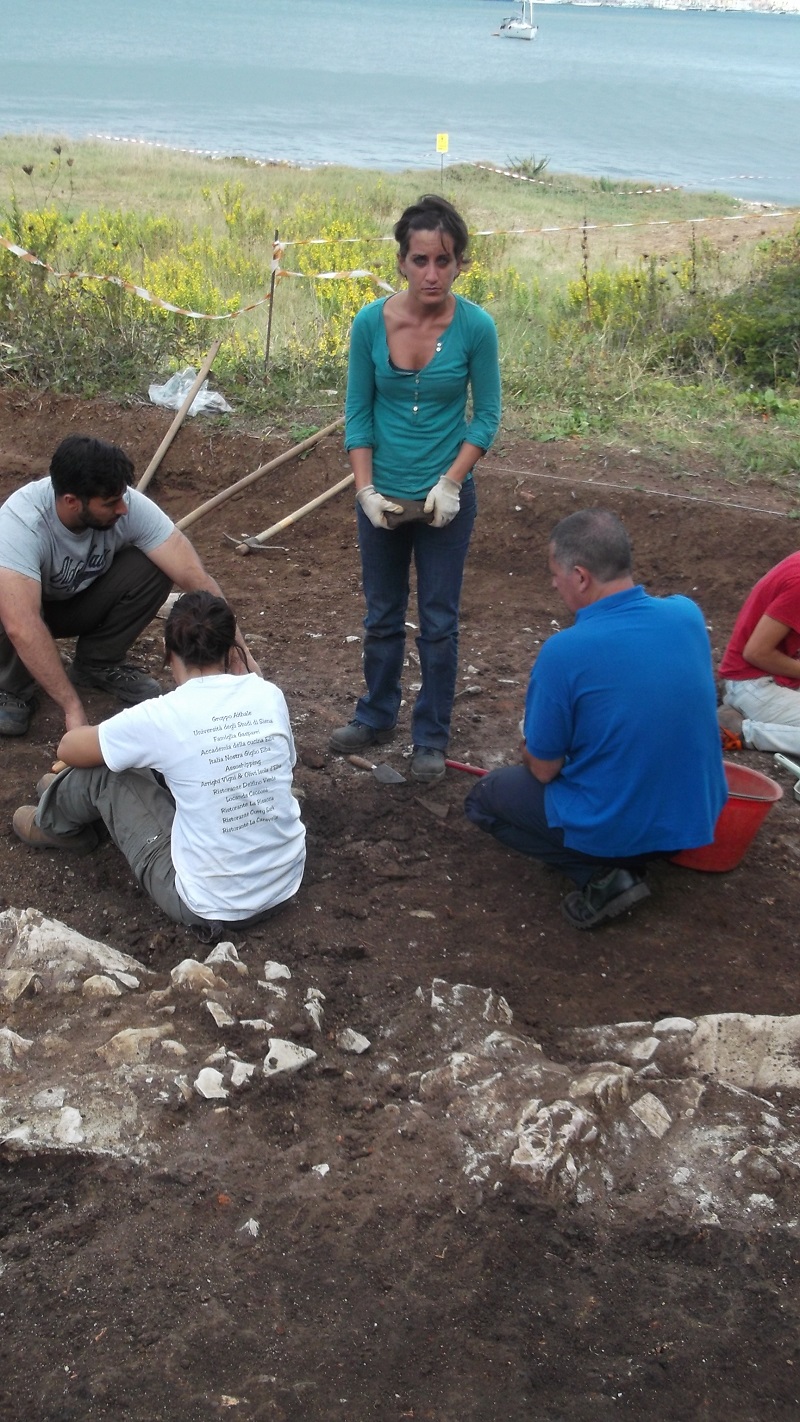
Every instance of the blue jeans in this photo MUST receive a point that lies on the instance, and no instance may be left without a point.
(439, 556)
(509, 804)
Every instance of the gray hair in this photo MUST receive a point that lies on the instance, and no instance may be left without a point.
(593, 539)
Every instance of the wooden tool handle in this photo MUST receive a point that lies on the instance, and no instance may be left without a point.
(360, 762)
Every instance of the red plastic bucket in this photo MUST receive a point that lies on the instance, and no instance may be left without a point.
(751, 796)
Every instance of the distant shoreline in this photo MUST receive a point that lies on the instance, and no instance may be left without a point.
(742, 7)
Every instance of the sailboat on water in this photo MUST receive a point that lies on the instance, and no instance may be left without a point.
(519, 26)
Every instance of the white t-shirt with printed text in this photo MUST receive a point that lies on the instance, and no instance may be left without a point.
(225, 748)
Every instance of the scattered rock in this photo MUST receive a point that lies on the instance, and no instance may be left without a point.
(286, 1056)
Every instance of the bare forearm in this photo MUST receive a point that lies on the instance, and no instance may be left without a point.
(465, 460)
(774, 663)
(35, 646)
(361, 465)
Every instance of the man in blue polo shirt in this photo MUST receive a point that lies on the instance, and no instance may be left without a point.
(621, 757)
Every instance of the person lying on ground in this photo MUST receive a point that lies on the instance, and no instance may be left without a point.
(621, 759)
(84, 555)
(220, 842)
(760, 669)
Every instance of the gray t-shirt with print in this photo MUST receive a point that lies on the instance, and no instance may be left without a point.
(34, 541)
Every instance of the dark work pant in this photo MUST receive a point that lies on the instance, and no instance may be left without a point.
(509, 804)
(137, 811)
(106, 618)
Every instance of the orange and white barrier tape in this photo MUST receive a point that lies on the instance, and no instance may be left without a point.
(361, 273)
(158, 301)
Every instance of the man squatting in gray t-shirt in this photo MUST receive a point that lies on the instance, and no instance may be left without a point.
(84, 555)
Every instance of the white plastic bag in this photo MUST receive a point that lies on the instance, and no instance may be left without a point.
(173, 394)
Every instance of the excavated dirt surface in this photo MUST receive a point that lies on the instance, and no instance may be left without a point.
(387, 1289)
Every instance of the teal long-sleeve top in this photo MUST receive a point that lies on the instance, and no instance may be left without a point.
(415, 421)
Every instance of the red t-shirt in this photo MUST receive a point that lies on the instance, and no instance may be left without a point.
(776, 595)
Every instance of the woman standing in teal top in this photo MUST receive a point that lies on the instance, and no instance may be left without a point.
(414, 357)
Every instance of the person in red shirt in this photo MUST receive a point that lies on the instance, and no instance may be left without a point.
(760, 670)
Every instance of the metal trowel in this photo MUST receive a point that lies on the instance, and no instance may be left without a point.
(793, 768)
(385, 773)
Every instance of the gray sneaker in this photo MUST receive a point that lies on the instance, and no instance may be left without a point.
(127, 683)
(15, 714)
(356, 736)
(427, 764)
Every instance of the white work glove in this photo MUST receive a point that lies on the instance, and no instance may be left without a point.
(443, 501)
(375, 506)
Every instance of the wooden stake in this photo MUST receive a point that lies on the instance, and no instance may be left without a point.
(275, 258)
(179, 418)
(228, 493)
(260, 538)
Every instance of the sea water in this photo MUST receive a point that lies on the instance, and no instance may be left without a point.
(698, 99)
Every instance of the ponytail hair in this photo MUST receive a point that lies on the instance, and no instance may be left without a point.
(201, 630)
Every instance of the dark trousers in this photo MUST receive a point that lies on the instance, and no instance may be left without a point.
(509, 804)
(439, 555)
(106, 618)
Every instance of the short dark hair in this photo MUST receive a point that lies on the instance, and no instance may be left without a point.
(432, 214)
(593, 539)
(201, 630)
(90, 468)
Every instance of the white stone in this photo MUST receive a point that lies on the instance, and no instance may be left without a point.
(757, 1052)
(545, 1144)
(69, 1129)
(644, 1049)
(52, 1098)
(227, 953)
(273, 972)
(132, 1044)
(14, 982)
(314, 1009)
(242, 1072)
(257, 1024)
(275, 989)
(653, 1114)
(128, 980)
(286, 1056)
(348, 1040)
(606, 1085)
(220, 1014)
(58, 954)
(463, 998)
(210, 1085)
(171, 1048)
(99, 985)
(191, 976)
(321, 1170)
(674, 1027)
(13, 1048)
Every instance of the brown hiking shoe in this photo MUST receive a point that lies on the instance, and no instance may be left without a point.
(84, 841)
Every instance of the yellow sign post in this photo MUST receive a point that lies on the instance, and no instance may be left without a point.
(442, 146)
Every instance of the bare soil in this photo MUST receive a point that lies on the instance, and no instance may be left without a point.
(387, 1291)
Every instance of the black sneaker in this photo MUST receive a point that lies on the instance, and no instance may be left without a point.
(15, 714)
(127, 683)
(427, 764)
(608, 893)
(356, 736)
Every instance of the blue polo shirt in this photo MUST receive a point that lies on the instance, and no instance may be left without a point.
(627, 696)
